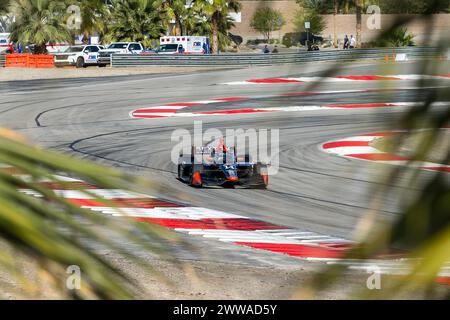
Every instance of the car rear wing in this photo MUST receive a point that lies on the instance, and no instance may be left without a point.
(209, 150)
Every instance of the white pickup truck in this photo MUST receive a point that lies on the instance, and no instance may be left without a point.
(79, 56)
(104, 56)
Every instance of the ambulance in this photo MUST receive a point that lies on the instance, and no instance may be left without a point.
(4, 42)
(184, 45)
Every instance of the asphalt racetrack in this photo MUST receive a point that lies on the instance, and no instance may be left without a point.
(312, 191)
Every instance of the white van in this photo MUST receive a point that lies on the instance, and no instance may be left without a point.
(184, 44)
(4, 42)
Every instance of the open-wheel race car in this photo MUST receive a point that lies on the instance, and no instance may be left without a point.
(209, 166)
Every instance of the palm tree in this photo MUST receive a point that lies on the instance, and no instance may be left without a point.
(93, 17)
(319, 6)
(133, 20)
(4, 21)
(175, 10)
(53, 233)
(4, 4)
(335, 12)
(423, 226)
(39, 22)
(359, 6)
(216, 14)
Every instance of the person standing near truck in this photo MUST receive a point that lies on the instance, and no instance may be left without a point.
(205, 48)
(345, 42)
(352, 42)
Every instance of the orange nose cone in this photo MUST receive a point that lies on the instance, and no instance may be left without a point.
(196, 179)
(233, 179)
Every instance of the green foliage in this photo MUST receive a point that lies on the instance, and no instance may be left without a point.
(94, 15)
(387, 6)
(215, 15)
(287, 41)
(55, 234)
(265, 20)
(121, 20)
(175, 10)
(5, 21)
(223, 39)
(291, 39)
(319, 6)
(398, 37)
(39, 22)
(317, 21)
(414, 6)
(422, 227)
(4, 4)
(133, 20)
(255, 42)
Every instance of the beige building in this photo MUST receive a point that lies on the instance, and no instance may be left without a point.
(242, 26)
(344, 24)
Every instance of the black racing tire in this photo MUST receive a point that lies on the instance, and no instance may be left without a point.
(260, 171)
(80, 62)
(179, 171)
(261, 186)
(257, 168)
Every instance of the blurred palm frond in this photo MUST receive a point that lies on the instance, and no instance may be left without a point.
(57, 234)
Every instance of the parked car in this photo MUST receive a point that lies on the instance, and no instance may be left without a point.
(104, 56)
(79, 56)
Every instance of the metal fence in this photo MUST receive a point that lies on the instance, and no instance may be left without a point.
(233, 60)
(2, 60)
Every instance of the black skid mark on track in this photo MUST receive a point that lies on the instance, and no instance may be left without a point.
(72, 147)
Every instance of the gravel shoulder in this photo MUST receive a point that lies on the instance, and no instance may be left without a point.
(17, 74)
(205, 280)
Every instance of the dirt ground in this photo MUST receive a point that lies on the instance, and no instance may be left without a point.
(15, 74)
(200, 280)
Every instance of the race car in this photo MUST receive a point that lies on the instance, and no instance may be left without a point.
(209, 166)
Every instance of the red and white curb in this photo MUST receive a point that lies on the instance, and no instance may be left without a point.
(171, 110)
(341, 79)
(207, 223)
(215, 225)
(358, 147)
